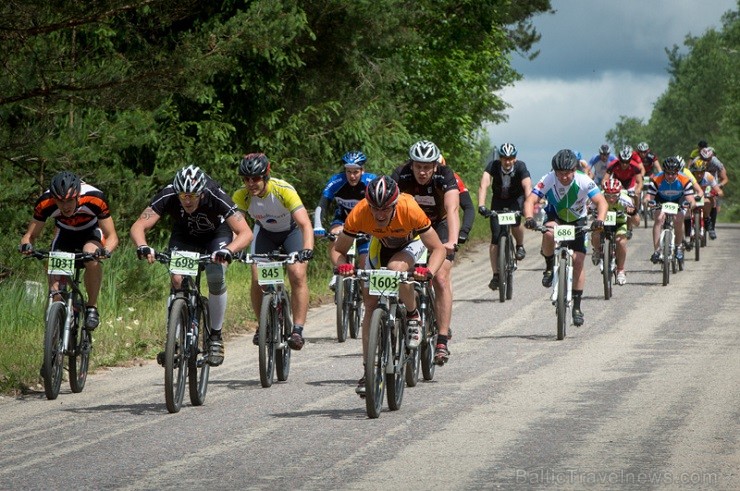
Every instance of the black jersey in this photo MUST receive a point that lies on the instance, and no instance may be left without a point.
(429, 196)
(507, 186)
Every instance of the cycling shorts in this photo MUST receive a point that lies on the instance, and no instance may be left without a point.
(379, 255)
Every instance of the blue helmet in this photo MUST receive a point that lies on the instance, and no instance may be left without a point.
(354, 159)
(507, 150)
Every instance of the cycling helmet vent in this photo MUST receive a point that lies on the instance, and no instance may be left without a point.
(424, 151)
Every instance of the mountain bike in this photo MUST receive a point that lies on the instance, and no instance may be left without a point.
(387, 353)
(348, 296)
(186, 350)
(697, 238)
(425, 302)
(275, 322)
(667, 242)
(645, 212)
(562, 285)
(608, 264)
(506, 259)
(64, 333)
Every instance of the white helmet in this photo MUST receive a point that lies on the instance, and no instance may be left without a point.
(424, 151)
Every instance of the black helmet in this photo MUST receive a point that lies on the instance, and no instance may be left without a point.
(354, 159)
(625, 155)
(507, 150)
(189, 179)
(672, 164)
(605, 149)
(255, 164)
(382, 192)
(565, 160)
(424, 151)
(65, 185)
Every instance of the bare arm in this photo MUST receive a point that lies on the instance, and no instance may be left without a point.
(338, 253)
(242, 233)
(304, 223)
(33, 232)
(452, 205)
(142, 225)
(109, 232)
(485, 183)
(437, 251)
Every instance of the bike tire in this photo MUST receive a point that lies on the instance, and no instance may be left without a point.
(267, 340)
(562, 304)
(53, 364)
(697, 235)
(667, 254)
(283, 351)
(79, 361)
(501, 264)
(198, 368)
(413, 358)
(175, 362)
(510, 267)
(429, 341)
(375, 363)
(396, 369)
(343, 313)
(606, 270)
(357, 310)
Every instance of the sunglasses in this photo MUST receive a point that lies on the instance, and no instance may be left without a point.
(612, 196)
(190, 196)
(252, 178)
(383, 210)
(672, 174)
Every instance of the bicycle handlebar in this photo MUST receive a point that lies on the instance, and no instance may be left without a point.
(164, 258)
(43, 254)
(272, 256)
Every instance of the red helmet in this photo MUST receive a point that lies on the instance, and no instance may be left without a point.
(612, 186)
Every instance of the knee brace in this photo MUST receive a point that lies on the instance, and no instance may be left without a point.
(216, 275)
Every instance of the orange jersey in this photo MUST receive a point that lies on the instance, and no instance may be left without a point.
(408, 221)
(92, 206)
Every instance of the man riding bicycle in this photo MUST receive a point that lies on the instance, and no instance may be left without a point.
(620, 202)
(205, 220)
(511, 183)
(345, 189)
(83, 224)
(280, 222)
(568, 193)
(400, 231)
(674, 187)
(435, 189)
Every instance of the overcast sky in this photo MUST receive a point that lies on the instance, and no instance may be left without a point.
(599, 59)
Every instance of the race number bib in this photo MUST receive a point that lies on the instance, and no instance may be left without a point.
(669, 208)
(384, 282)
(507, 218)
(611, 218)
(61, 263)
(270, 273)
(184, 263)
(564, 232)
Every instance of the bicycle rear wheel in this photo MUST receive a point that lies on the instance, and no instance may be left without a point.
(510, 267)
(396, 368)
(375, 363)
(343, 311)
(80, 360)
(53, 363)
(562, 304)
(198, 367)
(282, 350)
(413, 356)
(267, 340)
(606, 266)
(175, 358)
(357, 310)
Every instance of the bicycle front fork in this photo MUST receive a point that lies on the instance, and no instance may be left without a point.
(568, 278)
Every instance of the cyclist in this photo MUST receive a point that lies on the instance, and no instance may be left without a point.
(83, 224)
(466, 203)
(629, 170)
(435, 189)
(510, 182)
(205, 220)
(715, 167)
(619, 201)
(669, 186)
(708, 183)
(345, 189)
(568, 193)
(650, 161)
(400, 231)
(600, 162)
(280, 222)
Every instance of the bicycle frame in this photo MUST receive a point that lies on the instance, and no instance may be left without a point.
(506, 261)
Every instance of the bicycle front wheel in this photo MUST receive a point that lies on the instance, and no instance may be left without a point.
(606, 266)
(562, 302)
(282, 350)
(501, 264)
(80, 360)
(697, 234)
(375, 363)
(510, 267)
(396, 368)
(198, 367)
(429, 341)
(667, 254)
(53, 353)
(343, 310)
(267, 341)
(175, 358)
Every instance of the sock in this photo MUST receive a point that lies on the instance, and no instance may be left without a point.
(217, 306)
(441, 339)
(577, 299)
(549, 262)
(713, 216)
(412, 313)
(298, 328)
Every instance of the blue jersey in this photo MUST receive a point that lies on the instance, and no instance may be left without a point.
(345, 197)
